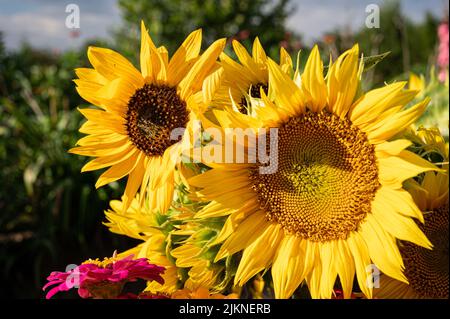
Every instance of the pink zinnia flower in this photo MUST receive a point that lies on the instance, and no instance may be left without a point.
(103, 279)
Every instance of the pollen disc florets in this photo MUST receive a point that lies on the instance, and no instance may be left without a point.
(326, 180)
(153, 112)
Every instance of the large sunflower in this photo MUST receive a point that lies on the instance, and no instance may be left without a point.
(426, 271)
(245, 79)
(131, 132)
(335, 205)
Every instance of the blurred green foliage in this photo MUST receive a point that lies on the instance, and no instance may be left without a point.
(412, 45)
(169, 22)
(437, 113)
(51, 214)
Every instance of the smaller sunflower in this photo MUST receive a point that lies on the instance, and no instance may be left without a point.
(247, 78)
(426, 270)
(338, 186)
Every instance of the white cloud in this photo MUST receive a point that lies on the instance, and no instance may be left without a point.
(312, 20)
(41, 22)
(44, 26)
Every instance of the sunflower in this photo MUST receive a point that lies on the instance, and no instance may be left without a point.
(138, 110)
(336, 203)
(247, 78)
(426, 271)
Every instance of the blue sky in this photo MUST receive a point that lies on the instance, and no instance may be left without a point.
(42, 22)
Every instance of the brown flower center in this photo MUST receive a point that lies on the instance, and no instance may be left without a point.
(326, 179)
(153, 112)
(427, 270)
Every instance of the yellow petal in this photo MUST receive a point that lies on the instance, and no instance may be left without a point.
(219, 177)
(383, 249)
(285, 61)
(213, 209)
(103, 149)
(246, 59)
(90, 127)
(419, 194)
(397, 123)
(313, 83)
(288, 267)
(313, 281)
(161, 198)
(194, 79)
(343, 82)
(400, 201)
(106, 120)
(89, 95)
(163, 57)
(101, 140)
(329, 273)
(259, 255)
(210, 85)
(147, 46)
(232, 222)
(287, 94)
(90, 75)
(118, 171)
(112, 65)
(396, 105)
(362, 262)
(235, 70)
(133, 183)
(344, 268)
(108, 160)
(184, 57)
(258, 52)
(394, 170)
(245, 234)
(415, 82)
(399, 226)
(374, 101)
(387, 149)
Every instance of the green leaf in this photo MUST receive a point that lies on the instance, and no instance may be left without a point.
(371, 61)
(368, 61)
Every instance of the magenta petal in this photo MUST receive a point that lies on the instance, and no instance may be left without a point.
(52, 292)
(91, 275)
